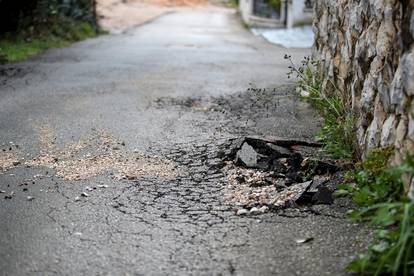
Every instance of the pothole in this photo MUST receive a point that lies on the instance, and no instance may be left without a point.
(190, 103)
(273, 174)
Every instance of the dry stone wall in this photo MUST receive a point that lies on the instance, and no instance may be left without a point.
(367, 50)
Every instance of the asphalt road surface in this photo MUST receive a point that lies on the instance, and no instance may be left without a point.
(111, 152)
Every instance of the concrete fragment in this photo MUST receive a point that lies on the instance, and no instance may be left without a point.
(242, 212)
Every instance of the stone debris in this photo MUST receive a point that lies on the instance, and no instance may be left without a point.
(102, 186)
(30, 198)
(242, 212)
(305, 240)
(9, 196)
(97, 154)
(261, 210)
(271, 174)
(290, 195)
(8, 160)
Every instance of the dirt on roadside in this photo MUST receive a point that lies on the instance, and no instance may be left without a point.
(118, 15)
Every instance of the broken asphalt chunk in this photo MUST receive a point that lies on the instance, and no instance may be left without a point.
(283, 142)
(324, 195)
(247, 156)
(290, 194)
(251, 157)
(318, 167)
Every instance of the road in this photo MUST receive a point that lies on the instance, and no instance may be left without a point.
(112, 148)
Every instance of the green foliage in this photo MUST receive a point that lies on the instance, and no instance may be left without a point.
(373, 182)
(15, 47)
(338, 136)
(233, 3)
(380, 191)
(303, 22)
(274, 3)
(337, 132)
(20, 15)
(393, 249)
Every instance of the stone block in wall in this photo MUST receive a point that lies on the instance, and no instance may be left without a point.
(373, 134)
(408, 148)
(410, 134)
(377, 9)
(385, 38)
(412, 24)
(396, 91)
(389, 131)
(401, 132)
(368, 95)
(384, 81)
(323, 27)
(407, 72)
(361, 135)
(375, 129)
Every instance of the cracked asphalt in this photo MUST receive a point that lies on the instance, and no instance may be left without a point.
(175, 88)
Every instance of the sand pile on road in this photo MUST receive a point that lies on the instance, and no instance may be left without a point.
(97, 154)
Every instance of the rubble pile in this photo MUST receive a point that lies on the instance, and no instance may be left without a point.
(266, 174)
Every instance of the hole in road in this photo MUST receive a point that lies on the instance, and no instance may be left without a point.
(273, 174)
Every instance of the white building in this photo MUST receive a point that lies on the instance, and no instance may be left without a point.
(282, 13)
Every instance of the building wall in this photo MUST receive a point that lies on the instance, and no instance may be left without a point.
(296, 14)
(246, 9)
(367, 50)
(299, 15)
(246, 12)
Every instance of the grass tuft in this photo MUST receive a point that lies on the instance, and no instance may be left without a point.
(379, 190)
(337, 131)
